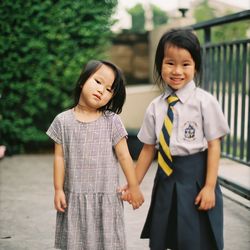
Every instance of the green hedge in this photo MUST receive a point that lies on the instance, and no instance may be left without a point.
(43, 47)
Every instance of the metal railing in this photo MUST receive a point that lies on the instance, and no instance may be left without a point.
(226, 74)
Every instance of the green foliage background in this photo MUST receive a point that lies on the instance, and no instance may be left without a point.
(43, 47)
(138, 19)
(159, 16)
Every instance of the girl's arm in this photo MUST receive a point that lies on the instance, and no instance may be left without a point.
(59, 199)
(126, 162)
(144, 161)
(206, 197)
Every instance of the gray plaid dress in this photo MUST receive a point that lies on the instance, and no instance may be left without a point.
(94, 217)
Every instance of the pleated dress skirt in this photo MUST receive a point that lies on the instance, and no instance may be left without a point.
(174, 221)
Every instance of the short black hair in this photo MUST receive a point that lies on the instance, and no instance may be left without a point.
(181, 38)
(119, 92)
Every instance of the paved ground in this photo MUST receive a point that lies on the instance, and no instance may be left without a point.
(27, 217)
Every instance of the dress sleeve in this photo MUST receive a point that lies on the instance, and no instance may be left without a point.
(55, 130)
(118, 131)
(215, 123)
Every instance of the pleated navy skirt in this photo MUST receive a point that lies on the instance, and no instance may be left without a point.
(173, 220)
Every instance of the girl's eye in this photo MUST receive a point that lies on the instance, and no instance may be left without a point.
(98, 81)
(186, 64)
(170, 63)
(109, 90)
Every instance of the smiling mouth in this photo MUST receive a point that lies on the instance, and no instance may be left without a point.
(176, 79)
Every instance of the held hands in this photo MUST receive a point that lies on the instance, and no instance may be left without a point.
(60, 201)
(205, 200)
(132, 195)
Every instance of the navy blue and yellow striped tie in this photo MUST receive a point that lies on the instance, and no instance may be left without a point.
(164, 156)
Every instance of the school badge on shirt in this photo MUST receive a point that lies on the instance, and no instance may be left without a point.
(189, 130)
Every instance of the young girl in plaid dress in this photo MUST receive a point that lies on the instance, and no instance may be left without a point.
(90, 144)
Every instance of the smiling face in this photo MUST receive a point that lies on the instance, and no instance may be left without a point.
(178, 67)
(97, 90)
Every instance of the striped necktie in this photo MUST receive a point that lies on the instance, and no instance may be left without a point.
(164, 157)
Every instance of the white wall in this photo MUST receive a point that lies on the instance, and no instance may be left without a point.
(137, 100)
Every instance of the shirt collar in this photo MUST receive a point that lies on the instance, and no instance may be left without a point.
(183, 93)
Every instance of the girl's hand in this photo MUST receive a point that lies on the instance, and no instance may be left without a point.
(206, 198)
(60, 201)
(136, 197)
(125, 194)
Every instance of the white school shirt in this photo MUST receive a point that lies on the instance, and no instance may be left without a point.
(198, 118)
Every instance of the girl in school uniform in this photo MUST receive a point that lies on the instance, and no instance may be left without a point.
(90, 144)
(186, 210)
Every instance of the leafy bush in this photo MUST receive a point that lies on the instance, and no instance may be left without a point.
(43, 47)
(137, 13)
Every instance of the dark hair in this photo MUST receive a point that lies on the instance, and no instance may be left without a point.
(118, 86)
(181, 38)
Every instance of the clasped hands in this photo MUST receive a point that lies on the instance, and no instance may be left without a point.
(132, 195)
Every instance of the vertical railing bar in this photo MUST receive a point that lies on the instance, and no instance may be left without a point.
(224, 65)
(212, 62)
(224, 77)
(207, 35)
(237, 62)
(243, 100)
(230, 66)
(203, 72)
(248, 120)
(218, 65)
(207, 69)
(210, 75)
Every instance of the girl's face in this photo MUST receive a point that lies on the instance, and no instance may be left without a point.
(178, 67)
(97, 92)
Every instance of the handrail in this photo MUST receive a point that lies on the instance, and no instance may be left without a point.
(207, 25)
(239, 16)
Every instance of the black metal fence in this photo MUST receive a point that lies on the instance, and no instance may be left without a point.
(226, 74)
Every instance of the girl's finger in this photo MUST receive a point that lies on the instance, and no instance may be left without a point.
(197, 199)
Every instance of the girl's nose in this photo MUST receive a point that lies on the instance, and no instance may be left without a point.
(177, 70)
(100, 89)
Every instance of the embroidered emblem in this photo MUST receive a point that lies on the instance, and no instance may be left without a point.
(190, 131)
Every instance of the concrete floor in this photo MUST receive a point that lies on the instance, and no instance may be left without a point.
(27, 216)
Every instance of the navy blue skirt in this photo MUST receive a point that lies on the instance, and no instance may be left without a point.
(173, 220)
